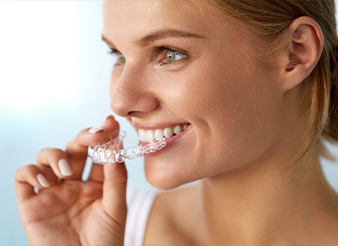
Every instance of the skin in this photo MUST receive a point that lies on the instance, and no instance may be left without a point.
(139, 90)
(243, 134)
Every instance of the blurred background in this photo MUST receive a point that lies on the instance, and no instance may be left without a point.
(54, 79)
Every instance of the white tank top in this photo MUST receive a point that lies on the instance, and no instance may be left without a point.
(139, 202)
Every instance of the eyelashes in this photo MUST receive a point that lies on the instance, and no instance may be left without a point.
(171, 56)
(166, 56)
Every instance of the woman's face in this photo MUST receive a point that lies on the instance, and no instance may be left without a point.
(183, 65)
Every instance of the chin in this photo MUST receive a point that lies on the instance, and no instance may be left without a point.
(162, 181)
(164, 177)
(163, 184)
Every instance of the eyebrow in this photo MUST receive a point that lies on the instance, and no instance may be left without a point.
(165, 33)
(153, 36)
(107, 41)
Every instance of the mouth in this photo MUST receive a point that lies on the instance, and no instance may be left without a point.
(148, 135)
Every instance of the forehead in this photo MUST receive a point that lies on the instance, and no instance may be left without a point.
(130, 19)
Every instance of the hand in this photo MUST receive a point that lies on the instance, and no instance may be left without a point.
(67, 210)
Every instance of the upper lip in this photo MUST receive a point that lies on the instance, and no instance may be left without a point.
(154, 125)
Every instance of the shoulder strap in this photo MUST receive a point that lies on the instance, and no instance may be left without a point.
(139, 202)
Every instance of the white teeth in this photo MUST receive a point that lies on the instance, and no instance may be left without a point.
(142, 135)
(178, 129)
(158, 134)
(168, 132)
(150, 135)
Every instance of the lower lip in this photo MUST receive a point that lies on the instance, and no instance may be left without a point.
(169, 141)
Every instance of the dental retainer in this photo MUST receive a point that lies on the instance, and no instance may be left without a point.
(104, 154)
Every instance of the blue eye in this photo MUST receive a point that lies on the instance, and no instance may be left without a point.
(118, 58)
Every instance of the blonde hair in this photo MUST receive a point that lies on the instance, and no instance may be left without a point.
(269, 21)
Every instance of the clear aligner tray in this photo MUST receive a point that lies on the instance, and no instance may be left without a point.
(103, 154)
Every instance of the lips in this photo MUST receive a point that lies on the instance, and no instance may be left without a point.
(156, 134)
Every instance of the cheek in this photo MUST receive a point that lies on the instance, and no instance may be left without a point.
(243, 117)
(234, 109)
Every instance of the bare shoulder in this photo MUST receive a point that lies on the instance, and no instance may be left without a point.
(172, 217)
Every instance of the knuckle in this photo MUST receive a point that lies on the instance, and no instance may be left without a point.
(49, 152)
(17, 173)
(41, 153)
(24, 170)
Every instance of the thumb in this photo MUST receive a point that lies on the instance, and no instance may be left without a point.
(114, 191)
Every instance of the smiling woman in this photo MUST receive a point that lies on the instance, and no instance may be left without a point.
(242, 91)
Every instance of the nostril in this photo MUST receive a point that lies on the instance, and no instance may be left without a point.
(157, 107)
(131, 113)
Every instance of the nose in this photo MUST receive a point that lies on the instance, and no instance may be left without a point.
(132, 93)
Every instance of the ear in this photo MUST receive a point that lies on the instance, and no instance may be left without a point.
(305, 41)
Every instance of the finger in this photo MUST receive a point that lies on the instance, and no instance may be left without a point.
(114, 190)
(49, 174)
(77, 149)
(96, 173)
(111, 127)
(57, 160)
(26, 178)
(97, 170)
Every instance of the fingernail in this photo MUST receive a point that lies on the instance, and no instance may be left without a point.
(95, 130)
(42, 180)
(65, 168)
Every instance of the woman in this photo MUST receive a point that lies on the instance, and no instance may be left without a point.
(255, 83)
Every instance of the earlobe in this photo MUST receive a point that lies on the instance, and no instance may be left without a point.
(305, 41)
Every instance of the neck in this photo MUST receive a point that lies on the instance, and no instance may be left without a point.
(264, 204)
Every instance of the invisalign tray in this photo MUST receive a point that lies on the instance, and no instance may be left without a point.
(102, 154)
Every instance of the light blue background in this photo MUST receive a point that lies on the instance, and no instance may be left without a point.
(54, 77)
